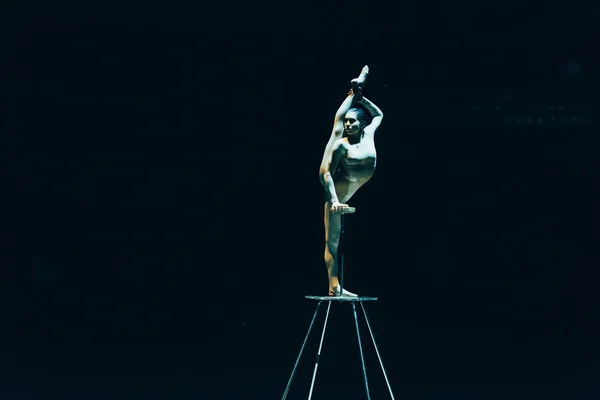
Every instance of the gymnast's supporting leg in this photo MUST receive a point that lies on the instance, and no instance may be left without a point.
(362, 358)
(333, 228)
(341, 252)
(377, 350)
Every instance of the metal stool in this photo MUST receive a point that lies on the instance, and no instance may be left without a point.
(343, 299)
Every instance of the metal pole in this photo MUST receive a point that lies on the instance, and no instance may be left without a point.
(362, 358)
(377, 351)
(287, 389)
(312, 384)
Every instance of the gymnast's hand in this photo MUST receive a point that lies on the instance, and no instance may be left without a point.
(336, 206)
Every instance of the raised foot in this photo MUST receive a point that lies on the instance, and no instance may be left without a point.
(345, 293)
(359, 83)
(363, 73)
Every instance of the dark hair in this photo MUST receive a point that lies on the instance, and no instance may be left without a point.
(361, 115)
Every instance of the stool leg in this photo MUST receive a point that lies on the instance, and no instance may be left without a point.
(319, 352)
(287, 389)
(377, 350)
(362, 358)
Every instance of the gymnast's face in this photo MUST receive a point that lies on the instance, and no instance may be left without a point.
(352, 124)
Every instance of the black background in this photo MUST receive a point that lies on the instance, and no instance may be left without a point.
(171, 222)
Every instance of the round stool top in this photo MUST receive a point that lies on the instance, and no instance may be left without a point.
(341, 298)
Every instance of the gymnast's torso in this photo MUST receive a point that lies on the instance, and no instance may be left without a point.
(354, 165)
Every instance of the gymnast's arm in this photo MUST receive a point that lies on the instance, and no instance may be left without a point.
(331, 157)
(375, 112)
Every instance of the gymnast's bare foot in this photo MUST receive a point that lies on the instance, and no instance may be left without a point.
(359, 83)
(335, 291)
